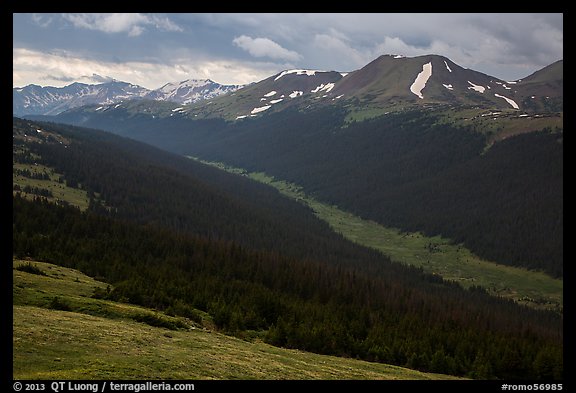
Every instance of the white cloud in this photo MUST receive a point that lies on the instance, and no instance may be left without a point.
(41, 20)
(395, 45)
(335, 45)
(264, 47)
(132, 24)
(59, 68)
(99, 78)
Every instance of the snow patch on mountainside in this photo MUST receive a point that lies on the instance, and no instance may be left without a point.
(260, 109)
(421, 79)
(270, 94)
(327, 87)
(449, 70)
(504, 85)
(449, 86)
(323, 87)
(297, 72)
(317, 89)
(478, 88)
(510, 101)
(295, 94)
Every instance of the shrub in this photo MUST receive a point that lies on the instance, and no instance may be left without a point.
(159, 321)
(58, 304)
(30, 268)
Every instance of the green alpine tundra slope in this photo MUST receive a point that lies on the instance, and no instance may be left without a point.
(62, 331)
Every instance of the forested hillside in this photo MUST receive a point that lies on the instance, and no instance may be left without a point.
(175, 235)
(411, 170)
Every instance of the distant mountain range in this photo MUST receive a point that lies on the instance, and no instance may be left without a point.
(38, 100)
(391, 82)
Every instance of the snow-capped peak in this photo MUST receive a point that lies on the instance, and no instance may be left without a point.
(188, 83)
(297, 72)
(48, 100)
(190, 90)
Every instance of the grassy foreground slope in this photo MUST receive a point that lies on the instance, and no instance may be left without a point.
(62, 332)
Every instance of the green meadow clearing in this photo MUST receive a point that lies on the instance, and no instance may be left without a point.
(59, 190)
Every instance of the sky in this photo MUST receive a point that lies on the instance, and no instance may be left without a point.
(151, 50)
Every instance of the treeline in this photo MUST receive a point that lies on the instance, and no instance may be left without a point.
(404, 170)
(31, 175)
(33, 190)
(409, 319)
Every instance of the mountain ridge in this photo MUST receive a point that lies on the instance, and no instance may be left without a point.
(190, 90)
(389, 75)
(389, 82)
(49, 100)
(395, 82)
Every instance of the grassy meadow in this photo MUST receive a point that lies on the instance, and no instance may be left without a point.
(60, 191)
